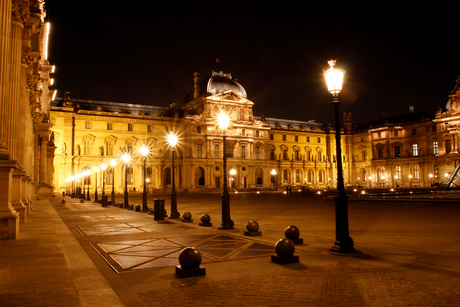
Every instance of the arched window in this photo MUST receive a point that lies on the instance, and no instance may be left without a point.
(321, 175)
(310, 175)
(298, 176)
(259, 180)
(382, 173)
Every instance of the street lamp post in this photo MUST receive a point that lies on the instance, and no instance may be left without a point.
(343, 242)
(113, 162)
(172, 139)
(96, 170)
(103, 167)
(227, 222)
(144, 153)
(273, 173)
(126, 158)
(87, 175)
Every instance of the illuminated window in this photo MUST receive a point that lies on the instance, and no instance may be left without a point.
(382, 173)
(398, 172)
(435, 147)
(415, 150)
(416, 172)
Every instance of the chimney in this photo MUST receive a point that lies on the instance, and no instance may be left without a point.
(196, 85)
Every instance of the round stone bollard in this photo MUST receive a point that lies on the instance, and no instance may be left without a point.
(63, 201)
(293, 233)
(190, 260)
(130, 206)
(82, 200)
(285, 249)
(253, 229)
(187, 217)
(151, 211)
(137, 208)
(205, 220)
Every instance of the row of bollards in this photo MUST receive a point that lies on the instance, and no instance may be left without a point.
(190, 258)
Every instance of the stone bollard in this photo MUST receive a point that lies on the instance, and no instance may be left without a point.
(137, 208)
(293, 233)
(151, 211)
(190, 260)
(205, 220)
(284, 249)
(130, 206)
(63, 201)
(187, 217)
(253, 229)
(82, 200)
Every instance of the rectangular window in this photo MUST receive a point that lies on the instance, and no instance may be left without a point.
(130, 127)
(198, 150)
(396, 134)
(88, 124)
(416, 172)
(414, 150)
(109, 149)
(87, 147)
(397, 151)
(296, 138)
(243, 152)
(398, 172)
(216, 150)
(296, 155)
(435, 147)
(258, 152)
(228, 151)
(308, 139)
(272, 153)
(319, 140)
(308, 155)
(257, 134)
(448, 148)
(271, 136)
(198, 129)
(149, 128)
(380, 152)
(284, 137)
(129, 146)
(109, 126)
(414, 131)
(285, 154)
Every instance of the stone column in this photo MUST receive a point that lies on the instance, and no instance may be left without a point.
(9, 218)
(25, 193)
(5, 32)
(16, 193)
(43, 157)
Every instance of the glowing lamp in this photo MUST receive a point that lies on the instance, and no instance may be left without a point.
(334, 78)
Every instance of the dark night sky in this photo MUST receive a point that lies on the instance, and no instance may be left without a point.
(146, 52)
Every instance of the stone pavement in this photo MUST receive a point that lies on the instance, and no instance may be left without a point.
(80, 254)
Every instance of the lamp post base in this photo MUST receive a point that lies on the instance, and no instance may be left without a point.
(227, 222)
(145, 208)
(174, 213)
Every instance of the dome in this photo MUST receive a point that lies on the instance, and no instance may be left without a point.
(220, 82)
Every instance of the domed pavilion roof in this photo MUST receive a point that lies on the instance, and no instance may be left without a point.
(220, 82)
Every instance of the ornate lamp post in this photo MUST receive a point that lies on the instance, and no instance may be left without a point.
(113, 162)
(227, 222)
(172, 140)
(343, 242)
(410, 180)
(103, 167)
(96, 170)
(144, 153)
(126, 158)
(77, 177)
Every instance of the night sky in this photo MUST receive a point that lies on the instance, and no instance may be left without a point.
(146, 52)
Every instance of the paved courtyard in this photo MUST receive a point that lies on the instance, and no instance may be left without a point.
(86, 255)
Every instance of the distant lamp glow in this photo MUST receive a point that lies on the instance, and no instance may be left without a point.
(334, 79)
(172, 139)
(54, 95)
(232, 172)
(274, 172)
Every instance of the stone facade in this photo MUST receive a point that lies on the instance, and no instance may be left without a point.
(262, 153)
(26, 151)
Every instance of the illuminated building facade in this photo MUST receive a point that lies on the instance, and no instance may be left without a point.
(414, 149)
(26, 142)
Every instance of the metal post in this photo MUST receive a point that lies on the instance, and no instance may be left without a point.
(227, 222)
(113, 185)
(145, 208)
(174, 213)
(126, 205)
(343, 242)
